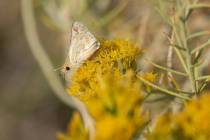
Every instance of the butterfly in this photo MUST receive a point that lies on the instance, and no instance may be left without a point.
(82, 46)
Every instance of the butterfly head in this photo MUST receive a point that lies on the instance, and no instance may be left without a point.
(66, 68)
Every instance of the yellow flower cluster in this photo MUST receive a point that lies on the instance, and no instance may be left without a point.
(193, 123)
(76, 130)
(111, 91)
(115, 55)
(115, 108)
(150, 76)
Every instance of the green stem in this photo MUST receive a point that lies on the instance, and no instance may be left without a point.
(203, 85)
(198, 34)
(178, 52)
(203, 77)
(162, 89)
(178, 47)
(167, 69)
(201, 5)
(201, 47)
(191, 70)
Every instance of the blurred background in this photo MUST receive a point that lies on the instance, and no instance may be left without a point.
(28, 108)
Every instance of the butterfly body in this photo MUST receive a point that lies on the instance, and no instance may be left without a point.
(83, 45)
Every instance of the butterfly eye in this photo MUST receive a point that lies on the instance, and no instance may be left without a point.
(67, 68)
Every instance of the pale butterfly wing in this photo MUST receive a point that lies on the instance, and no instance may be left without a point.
(83, 44)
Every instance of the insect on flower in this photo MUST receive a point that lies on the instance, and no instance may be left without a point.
(83, 45)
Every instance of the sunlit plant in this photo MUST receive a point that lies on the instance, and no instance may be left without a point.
(177, 14)
(112, 91)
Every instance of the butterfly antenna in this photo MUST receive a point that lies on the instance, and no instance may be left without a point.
(59, 68)
(61, 73)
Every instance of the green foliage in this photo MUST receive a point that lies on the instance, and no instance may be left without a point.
(177, 14)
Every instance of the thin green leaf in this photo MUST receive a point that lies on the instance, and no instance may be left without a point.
(198, 56)
(178, 47)
(185, 92)
(197, 64)
(204, 84)
(167, 69)
(178, 52)
(198, 34)
(200, 5)
(201, 47)
(163, 89)
(203, 77)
